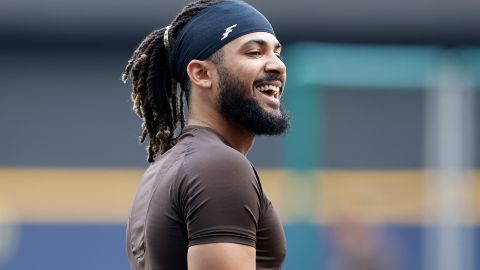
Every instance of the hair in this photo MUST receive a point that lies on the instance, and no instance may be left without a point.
(155, 97)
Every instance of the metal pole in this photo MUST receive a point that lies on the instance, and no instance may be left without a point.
(450, 158)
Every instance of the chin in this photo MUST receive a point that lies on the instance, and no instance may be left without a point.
(272, 109)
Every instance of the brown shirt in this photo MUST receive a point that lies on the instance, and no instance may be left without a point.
(201, 191)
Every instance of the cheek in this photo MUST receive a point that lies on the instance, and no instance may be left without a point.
(249, 69)
(247, 74)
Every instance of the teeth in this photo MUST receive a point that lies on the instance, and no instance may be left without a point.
(263, 88)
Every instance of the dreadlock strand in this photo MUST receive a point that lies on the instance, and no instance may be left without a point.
(163, 136)
(155, 97)
(158, 77)
(174, 105)
(182, 116)
(135, 55)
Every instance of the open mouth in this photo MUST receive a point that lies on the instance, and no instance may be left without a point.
(272, 89)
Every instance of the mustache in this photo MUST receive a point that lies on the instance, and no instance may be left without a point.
(269, 77)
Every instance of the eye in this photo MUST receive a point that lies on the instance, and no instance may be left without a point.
(254, 53)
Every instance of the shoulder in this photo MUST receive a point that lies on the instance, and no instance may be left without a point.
(213, 168)
(205, 148)
(217, 158)
(219, 171)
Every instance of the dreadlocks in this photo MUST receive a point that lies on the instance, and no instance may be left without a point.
(154, 86)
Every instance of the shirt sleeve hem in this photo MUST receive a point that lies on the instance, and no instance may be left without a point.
(225, 239)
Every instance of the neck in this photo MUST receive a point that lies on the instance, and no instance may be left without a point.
(241, 139)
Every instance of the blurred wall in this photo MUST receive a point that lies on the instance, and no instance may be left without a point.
(70, 159)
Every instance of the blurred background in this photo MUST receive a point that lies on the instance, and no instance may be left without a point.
(379, 170)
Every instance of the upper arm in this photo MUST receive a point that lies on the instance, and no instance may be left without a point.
(221, 256)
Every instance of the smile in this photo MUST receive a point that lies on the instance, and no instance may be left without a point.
(271, 88)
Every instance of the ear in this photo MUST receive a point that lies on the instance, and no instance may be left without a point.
(200, 73)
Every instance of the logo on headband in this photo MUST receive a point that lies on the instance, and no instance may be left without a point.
(228, 30)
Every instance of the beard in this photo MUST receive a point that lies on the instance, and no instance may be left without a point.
(236, 105)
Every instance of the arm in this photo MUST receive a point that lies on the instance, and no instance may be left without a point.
(221, 256)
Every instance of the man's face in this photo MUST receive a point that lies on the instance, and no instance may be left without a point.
(251, 82)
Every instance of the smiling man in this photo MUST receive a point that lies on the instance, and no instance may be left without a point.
(200, 204)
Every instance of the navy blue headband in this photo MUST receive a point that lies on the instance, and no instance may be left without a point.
(212, 28)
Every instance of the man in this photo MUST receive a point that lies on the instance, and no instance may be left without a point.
(200, 204)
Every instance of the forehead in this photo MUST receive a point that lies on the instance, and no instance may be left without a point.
(268, 39)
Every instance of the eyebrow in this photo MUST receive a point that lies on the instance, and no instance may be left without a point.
(261, 42)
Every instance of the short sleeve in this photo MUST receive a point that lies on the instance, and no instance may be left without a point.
(220, 198)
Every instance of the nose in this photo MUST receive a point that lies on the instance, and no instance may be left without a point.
(275, 65)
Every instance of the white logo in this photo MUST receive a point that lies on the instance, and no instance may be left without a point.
(228, 30)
